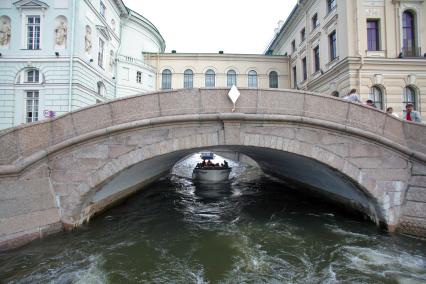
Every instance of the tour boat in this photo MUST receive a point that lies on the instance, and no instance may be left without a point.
(210, 173)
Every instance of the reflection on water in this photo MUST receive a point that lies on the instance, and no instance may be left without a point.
(255, 229)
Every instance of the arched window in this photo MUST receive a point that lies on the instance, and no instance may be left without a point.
(252, 79)
(101, 89)
(410, 97)
(188, 79)
(166, 82)
(32, 76)
(408, 34)
(273, 79)
(210, 78)
(376, 96)
(231, 78)
(335, 94)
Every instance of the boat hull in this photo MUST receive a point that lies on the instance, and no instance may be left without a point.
(211, 175)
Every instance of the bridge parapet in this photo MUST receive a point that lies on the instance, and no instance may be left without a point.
(38, 139)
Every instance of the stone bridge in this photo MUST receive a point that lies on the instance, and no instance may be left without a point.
(58, 173)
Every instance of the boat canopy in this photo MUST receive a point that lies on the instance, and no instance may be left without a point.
(207, 155)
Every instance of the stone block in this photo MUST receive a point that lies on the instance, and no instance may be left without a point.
(394, 130)
(93, 118)
(415, 135)
(413, 226)
(115, 151)
(28, 222)
(366, 163)
(415, 209)
(62, 129)
(418, 169)
(366, 118)
(186, 101)
(135, 108)
(151, 136)
(277, 102)
(308, 135)
(417, 194)
(33, 138)
(419, 181)
(215, 101)
(360, 150)
(325, 108)
(9, 147)
(247, 102)
(388, 174)
(276, 130)
(93, 151)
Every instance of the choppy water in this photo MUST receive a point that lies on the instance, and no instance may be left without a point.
(256, 230)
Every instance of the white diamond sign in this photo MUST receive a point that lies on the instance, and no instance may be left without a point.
(234, 94)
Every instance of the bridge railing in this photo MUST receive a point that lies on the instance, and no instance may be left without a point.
(39, 139)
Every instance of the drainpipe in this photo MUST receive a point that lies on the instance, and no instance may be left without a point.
(358, 45)
(71, 55)
(117, 54)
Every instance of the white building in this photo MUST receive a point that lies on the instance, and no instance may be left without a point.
(60, 55)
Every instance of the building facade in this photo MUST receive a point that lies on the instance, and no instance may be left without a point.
(374, 46)
(60, 55)
(195, 70)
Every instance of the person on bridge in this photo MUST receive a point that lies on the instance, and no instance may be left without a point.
(352, 97)
(410, 114)
(389, 111)
(371, 104)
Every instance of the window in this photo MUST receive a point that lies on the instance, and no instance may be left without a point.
(373, 39)
(102, 9)
(252, 79)
(32, 76)
(408, 34)
(333, 45)
(303, 35)
(188, 79)
(32, 106)
(331, 5)
(101, 53)
(210, 78)
(410, 97)
(294, 71)
(293, 46)
(101, 89)
(166, 82)
(305, 72)
(315, 22)
(316, 59)
(376, 96)
(139, 77)
(273, 79)
(231, 78)
(33, 32)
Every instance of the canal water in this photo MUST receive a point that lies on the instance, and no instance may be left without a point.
(255, 230)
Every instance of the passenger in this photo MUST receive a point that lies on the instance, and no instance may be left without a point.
(225, 164)
(410, 114)
(352, 97)
(203, 164)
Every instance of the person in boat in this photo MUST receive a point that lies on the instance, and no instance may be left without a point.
(225, 164)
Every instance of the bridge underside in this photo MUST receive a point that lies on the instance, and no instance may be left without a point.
(312, 175)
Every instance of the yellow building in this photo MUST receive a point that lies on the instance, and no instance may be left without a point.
(371, 45)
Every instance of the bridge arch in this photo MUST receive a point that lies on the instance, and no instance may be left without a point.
(79, 165)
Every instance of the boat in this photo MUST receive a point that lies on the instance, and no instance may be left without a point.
(207, 172)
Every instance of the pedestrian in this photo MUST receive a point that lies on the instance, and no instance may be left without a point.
(410, 114)
(389, 111)
(352, 97)
(371, 104)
